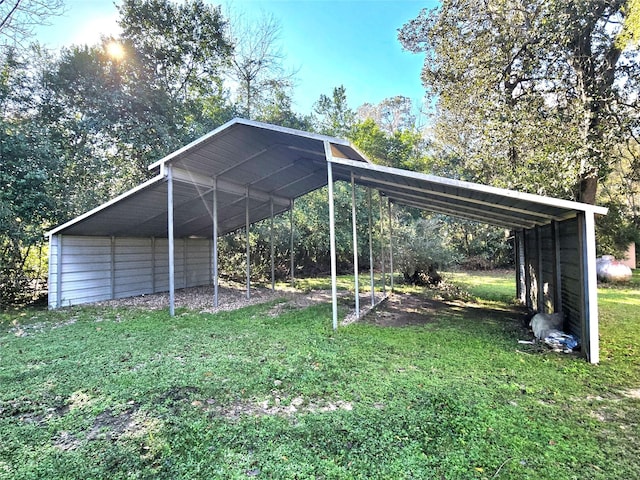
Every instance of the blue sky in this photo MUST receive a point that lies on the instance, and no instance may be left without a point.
(329, 42)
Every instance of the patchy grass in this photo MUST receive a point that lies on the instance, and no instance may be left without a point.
(128, 394)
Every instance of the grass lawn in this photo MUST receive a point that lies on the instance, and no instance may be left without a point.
(267, 392)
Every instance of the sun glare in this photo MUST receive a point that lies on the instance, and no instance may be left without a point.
(115, 50)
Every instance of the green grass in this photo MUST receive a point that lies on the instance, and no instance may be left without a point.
(127, 394)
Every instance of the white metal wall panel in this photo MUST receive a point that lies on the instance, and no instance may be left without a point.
(87, 263)
(198, 262)
(102, 268)
(133, 267)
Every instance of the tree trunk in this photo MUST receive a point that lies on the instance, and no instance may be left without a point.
(588, 185)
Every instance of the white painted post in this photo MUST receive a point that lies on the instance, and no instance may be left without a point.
(355, 246)
(390, 244)
(527, 271)
(384, 276)
(215, 242)
(291, 253)
(59, 270)
(172, 285)
(590, 285)
(372, 279)
(273, 261)
(248, 254)
(332, 238)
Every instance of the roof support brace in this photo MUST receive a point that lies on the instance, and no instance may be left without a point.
(172, 284)
(355, 247)
(332, 237)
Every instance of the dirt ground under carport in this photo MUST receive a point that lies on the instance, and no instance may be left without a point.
(397, 310)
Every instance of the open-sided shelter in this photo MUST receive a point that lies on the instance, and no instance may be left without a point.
(162, 235)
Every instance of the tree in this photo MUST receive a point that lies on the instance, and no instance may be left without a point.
(180, 48)
(18, 18)
(392, 115)
(535, 83)
(332, 115)
(29, 168)
(631, 29)
(256, 64)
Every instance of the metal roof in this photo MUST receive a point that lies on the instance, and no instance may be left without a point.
(273, 165)
(473, 201)
(267, 162)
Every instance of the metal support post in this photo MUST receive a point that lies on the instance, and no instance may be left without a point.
(172, 284)
(215, 242)
(373, 290)
(355, 246)
(248, 253)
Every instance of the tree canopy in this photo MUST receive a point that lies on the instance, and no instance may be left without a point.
(529, 91)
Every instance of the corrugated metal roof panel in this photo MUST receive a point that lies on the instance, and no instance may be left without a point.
(279, 164)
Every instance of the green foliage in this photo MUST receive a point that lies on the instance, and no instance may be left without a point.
(332, 115)
(530, 95)
(124, 393)
(420, 246)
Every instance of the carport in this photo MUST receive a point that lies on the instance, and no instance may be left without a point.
(163, 234)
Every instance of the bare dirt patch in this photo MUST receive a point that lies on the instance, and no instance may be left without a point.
(397, 310)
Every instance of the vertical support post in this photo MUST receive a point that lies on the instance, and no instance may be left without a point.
(539, 275)
(291, 252)
(215, 242)
(273, 260)
(390, 243)
(172, 284)
(527, 270)
(59, 272)
(356, 280)
(211, 261)
(112, 276)
(384, 276)
(372, 279)
(332, 237)
(248, 253)
(587, 244)
(557, 280)
(517, 247)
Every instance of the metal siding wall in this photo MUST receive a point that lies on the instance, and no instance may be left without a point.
(570, 275)
(162, 265)
(87, 264)
(86, 270)
(133, 267)
(198, 261)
